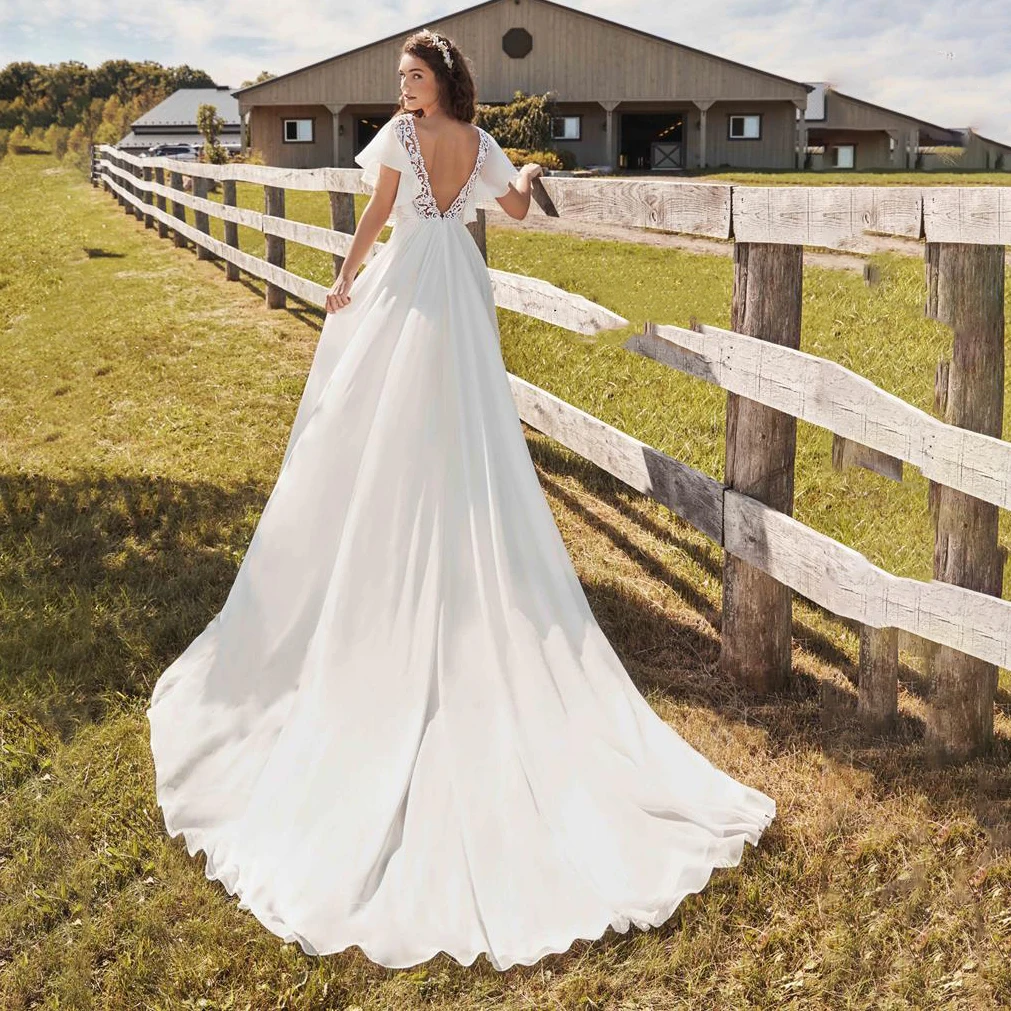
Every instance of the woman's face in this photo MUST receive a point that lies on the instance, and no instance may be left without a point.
(419, 88)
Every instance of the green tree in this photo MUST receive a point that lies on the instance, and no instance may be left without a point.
(210, 124)
(525, 122)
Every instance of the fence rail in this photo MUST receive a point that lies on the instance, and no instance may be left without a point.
(959, 616)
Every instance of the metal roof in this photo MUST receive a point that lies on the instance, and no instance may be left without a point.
(146, 140)
(180, 108)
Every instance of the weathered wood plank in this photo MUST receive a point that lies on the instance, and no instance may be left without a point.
(542, 300)
(301, 287)
(824, 571)
(843, 581)
(688, 493)
(830, 395)
(838, 217)
(345, 180)
(968, 214)
(530, 295)
(696, 208)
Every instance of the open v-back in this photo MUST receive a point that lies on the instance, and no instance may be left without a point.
(407, 132)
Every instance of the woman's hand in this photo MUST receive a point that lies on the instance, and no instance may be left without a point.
(339, 294)
(532, 169)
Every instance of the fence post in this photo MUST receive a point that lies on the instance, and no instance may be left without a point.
(123, 201)
(477, 229)
(94, 172)
(878, 687)
(178, 209)
(965, 291)
(138, 212)
(756, 637)
(342, 219)
(231, 228)
(159, 177)
(201, 219)
(273, 205)
(114, 161)
(148, 199)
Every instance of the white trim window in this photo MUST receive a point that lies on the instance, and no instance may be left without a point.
(746, 127)
(844, 156)
(297, 131)
(566, 128)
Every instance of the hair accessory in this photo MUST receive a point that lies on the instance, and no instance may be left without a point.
(441, 43)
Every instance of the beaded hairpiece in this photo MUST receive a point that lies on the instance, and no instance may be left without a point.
(441, 43)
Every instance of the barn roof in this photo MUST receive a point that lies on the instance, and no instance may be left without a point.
(488, 3)
(823, 88)
(180, 108)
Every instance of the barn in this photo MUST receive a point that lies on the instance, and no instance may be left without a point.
(844, 132)
(625, 99)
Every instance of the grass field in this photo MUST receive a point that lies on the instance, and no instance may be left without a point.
(884, 177)
(144, 410)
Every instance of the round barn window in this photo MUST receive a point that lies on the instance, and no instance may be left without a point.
(517, 42)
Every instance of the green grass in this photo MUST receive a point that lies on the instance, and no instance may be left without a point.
(882, 177)
(144, 410)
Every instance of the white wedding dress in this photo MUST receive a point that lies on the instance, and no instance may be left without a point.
(404, 730)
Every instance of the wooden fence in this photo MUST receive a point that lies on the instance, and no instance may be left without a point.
(958, 618)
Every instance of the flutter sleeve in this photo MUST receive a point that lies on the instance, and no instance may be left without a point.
(496, 173)
(385, 148)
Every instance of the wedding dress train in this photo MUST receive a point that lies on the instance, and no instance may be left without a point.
(404, 729)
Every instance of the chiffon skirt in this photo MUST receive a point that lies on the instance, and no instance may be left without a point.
(404, 730)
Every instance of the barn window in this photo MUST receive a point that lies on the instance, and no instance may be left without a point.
(566, 128)
(747, 127)
(844, 155)
(298, 131)
(517, 43)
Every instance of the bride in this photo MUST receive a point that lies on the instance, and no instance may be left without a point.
(404, 730)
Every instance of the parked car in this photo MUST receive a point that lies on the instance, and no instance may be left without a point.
(181, 152)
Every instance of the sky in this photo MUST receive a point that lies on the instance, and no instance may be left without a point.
(944, 61)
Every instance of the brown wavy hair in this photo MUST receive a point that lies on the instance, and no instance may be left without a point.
(457, 91)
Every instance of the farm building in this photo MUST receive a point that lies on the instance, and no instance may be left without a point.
(650, 105)
(976, 152)
(844, 132)
(174, 120)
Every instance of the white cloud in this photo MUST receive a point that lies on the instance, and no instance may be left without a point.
(892, 55)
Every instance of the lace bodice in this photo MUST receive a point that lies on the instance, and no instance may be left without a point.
(424, 201)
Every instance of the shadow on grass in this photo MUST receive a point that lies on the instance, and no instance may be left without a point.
(812, 712)
(105, 580)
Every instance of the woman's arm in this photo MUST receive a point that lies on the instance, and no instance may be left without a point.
(516, 202)
(375, 215)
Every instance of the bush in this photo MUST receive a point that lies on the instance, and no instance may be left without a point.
(546, 159)
(78, 153)
(55, 138)
(18, 140)
(4, 135)
(253, 156)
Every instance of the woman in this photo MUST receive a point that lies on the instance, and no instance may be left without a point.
(404, 730)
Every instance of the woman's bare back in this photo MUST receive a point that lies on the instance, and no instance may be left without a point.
(449, 150)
